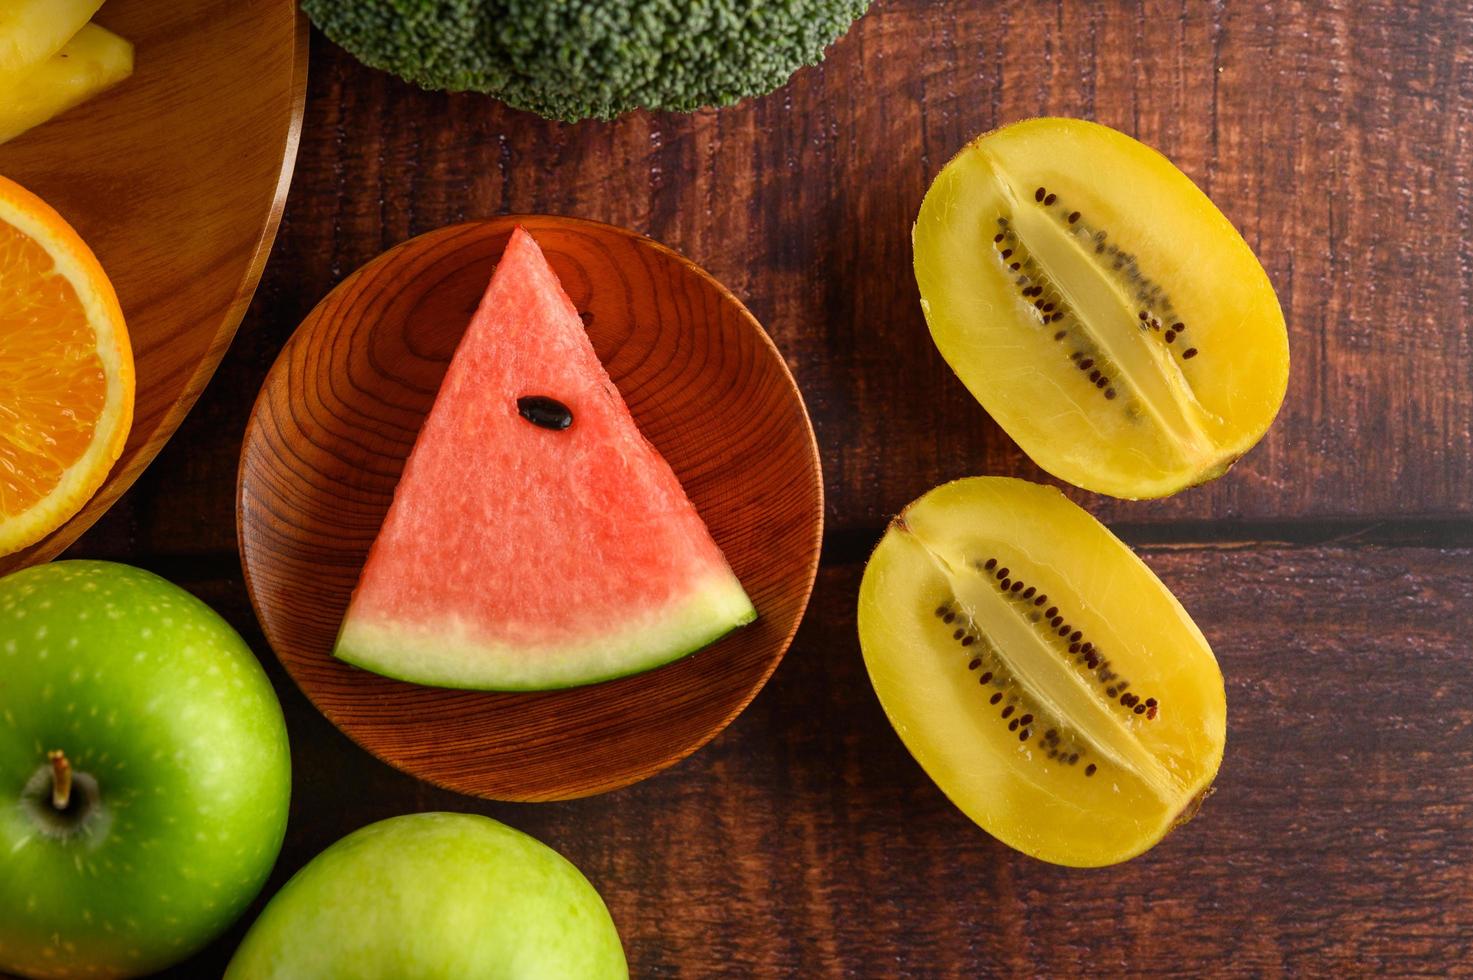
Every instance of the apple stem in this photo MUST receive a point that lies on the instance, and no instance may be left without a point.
(61, 779)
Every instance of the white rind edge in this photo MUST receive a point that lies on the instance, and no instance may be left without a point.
(446, 652)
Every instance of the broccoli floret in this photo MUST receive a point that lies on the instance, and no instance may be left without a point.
(576, 59)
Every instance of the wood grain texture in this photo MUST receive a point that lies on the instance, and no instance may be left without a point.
(340, 411)
(805, 842)
(177, 179)
(1337, 136)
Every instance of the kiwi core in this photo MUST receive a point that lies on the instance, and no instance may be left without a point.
(1104, 312)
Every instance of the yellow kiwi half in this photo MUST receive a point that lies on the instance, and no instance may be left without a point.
(1040, 673)
(1103, 311)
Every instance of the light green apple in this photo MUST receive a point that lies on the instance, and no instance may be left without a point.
(144, 772)
(434, 896)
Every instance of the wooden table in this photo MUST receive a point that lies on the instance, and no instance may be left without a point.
(1332, 569)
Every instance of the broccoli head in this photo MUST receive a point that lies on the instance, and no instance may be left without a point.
(576, 59)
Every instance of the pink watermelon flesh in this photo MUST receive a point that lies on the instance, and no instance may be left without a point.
(516, 557)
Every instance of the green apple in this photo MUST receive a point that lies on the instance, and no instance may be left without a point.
(430, 896)
(144, 772)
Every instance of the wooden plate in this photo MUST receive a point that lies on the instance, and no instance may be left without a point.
(340, 410)
(176, 178)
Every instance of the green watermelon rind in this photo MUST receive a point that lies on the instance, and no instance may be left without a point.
(390, 660)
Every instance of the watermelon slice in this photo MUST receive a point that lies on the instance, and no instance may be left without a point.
(521, 555)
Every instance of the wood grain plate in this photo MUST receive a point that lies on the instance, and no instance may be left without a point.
(336, 419)
(176, 178)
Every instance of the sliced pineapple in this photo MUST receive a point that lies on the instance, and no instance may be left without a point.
(94, 60)
(33, 30)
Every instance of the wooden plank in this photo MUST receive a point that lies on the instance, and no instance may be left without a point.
(805, 842)
(1336, 136)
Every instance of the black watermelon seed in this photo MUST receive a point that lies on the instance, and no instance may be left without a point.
(547, 413)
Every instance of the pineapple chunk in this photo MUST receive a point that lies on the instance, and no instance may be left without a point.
(33, 30)
(93, 60)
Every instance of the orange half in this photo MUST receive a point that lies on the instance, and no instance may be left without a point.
(66, 371)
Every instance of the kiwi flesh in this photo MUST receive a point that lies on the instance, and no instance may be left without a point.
(1100, 307)
(1043, 677)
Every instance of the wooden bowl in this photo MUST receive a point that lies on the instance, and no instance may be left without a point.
(176, 178)
(340, 410)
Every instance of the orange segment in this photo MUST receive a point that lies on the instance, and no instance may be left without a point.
(66, 371)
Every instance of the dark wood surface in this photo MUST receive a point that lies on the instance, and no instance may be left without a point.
(805, 842)
(1331, 569)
